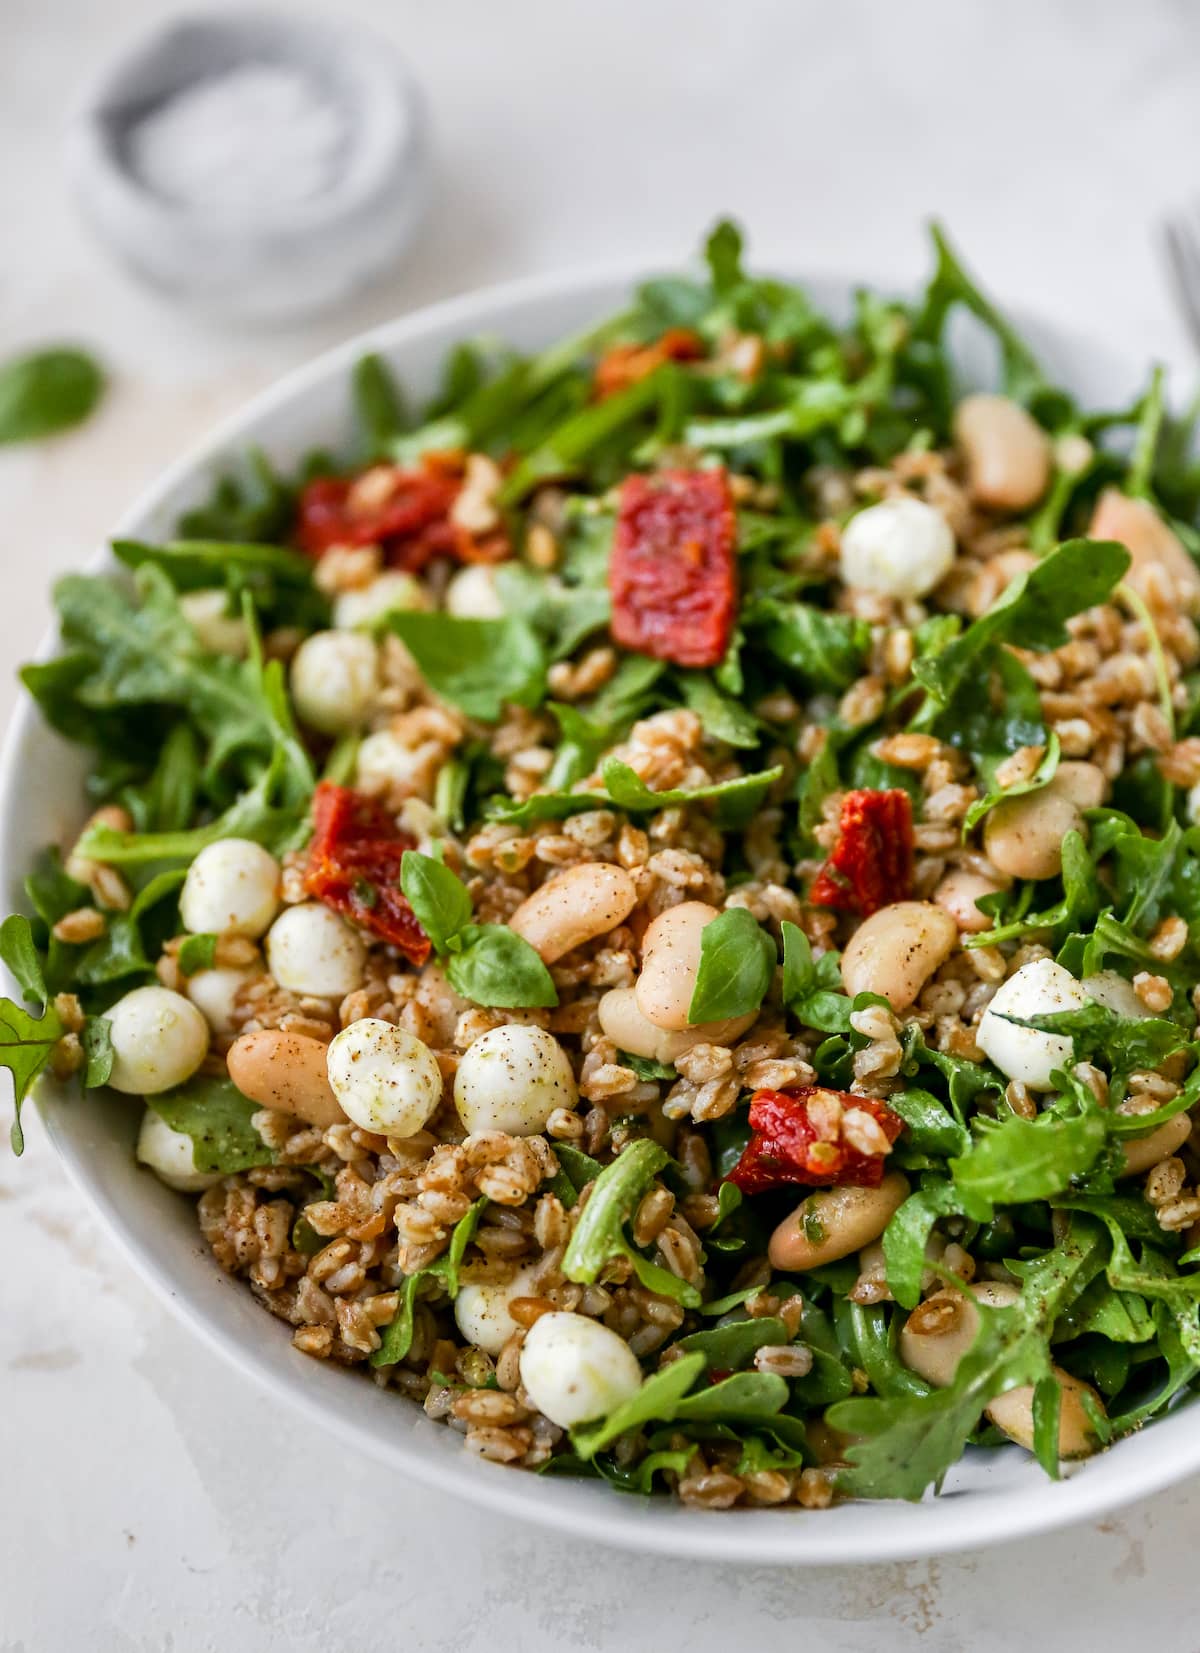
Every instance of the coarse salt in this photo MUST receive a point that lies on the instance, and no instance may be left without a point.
(257, 136)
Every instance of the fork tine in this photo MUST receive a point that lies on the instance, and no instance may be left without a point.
(1183, 267)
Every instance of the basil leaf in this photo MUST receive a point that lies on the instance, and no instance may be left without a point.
(737, 966)
(494, 966)
(217, 1117)
(439, 900)
(45, 392)
(481, 666)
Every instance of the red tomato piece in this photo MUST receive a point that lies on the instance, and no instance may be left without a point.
(872, 861)
(801, 1136)
(623, 365)
(406, 511)
(354, 867)
(673, 571)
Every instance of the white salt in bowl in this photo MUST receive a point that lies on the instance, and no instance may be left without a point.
(281, 257)
(988, 1497)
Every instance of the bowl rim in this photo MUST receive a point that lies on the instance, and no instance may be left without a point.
(965, 1520)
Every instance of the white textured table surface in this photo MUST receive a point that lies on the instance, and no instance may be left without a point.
(147, 1499)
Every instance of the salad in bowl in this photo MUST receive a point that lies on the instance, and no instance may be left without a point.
(648, 902)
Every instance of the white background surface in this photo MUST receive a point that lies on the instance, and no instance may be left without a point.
(148, 1500)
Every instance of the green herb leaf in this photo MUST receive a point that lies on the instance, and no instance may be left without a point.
(26, 1042)
(396, 1338)
(98, 1048)
(217, 1117)
(737, 966)
(45, 392)
(481, 666)
(438, 899)
(494, 966)
(600, 1232)
(1024, 1159)
(196, 953)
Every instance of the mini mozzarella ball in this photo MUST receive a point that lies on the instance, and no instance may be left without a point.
(899, 548)
(391, 592)
(311, 950)
(159, 1039)
(386, 1080)
(219, 630)
(214, 993)
(1112, 990)
(575, 1369)
(169, 1154)
(335, 679)
(472, 594)
(232, 888)
(512, 1079)
(481, 1311)
(384, 761)
(1041, 988)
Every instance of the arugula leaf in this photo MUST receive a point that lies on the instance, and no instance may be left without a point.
(909, 1442)
(599, 1234)
(45, 392)
(1127, 1042)
(1032, 612)
(723, 717)
(739, 798)
(562, 615)
(658, 1398)
(397, 1335)
(737, 966)
(645, 1068)
(829, 651)
(378, 404)
(217, 1117)
(26, 1042)
(481, 666)
(1017, 1159)
(907, 1235)
(98, 1048)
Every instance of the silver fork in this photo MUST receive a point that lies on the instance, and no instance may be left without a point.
(1181, 243)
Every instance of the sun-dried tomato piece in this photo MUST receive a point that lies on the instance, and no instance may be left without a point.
(623, 365)
(673, 571)
(404, 510)
(354, 867)
(872, 861)
(815, 1137)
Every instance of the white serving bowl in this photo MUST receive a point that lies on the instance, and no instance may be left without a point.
(990, 1496)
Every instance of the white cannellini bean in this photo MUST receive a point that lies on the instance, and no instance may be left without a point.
(575, 1369)
(285, 1071)
(1141, 1152)
(1023, 835)
(1013, 1412)
(214, 993)
(481, 1311)
(934, 1354)
(171, 1156)
(159, 1039)
(391, 592)
(1155, 548)
(386, 1080)
(1040, 988)
(1112, 990)
(574, 906)
(899, 548)
(833, 1222)
(896, 950)
(334, 680)
(472, 594)
(218, 630)
(311, 950)
(629, 1030)
(670, 960)
(1008, 453)
(512, 1079)
(231, 888)
(960, 891)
